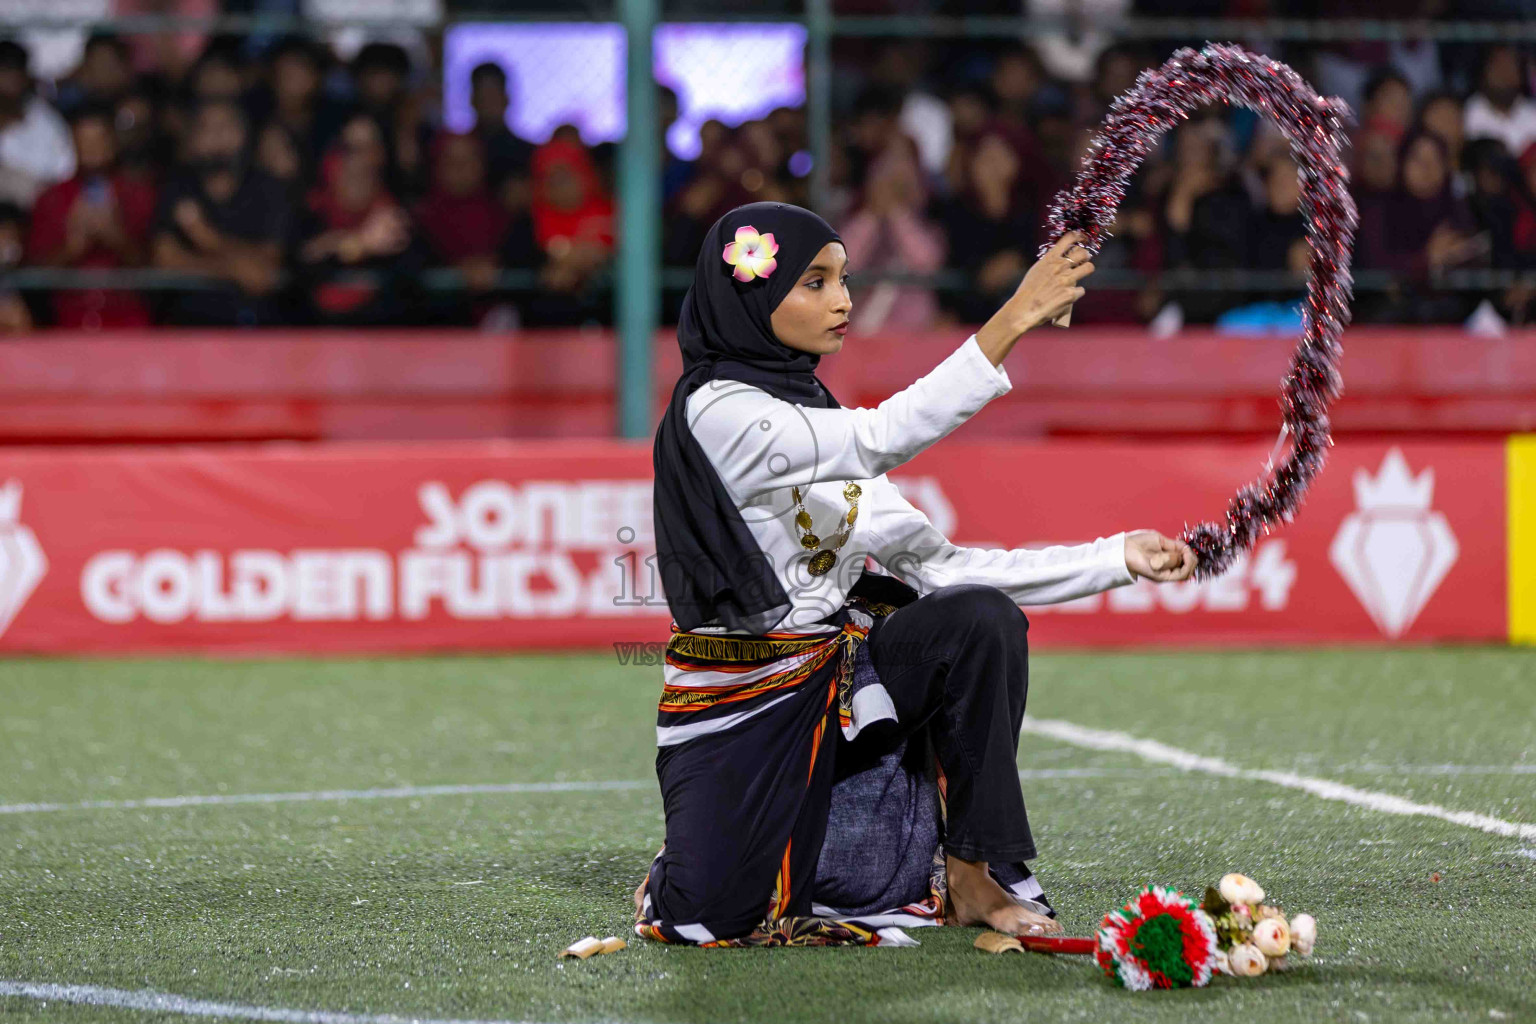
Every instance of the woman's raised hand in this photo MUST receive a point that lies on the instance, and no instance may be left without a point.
(1047, 291)
(1051, 286)
(1160, 559)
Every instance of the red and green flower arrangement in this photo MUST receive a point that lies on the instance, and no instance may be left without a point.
(1158, 940)
(1162, 939)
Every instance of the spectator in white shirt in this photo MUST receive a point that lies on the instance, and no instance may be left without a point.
(1500, 109)
(35, 147)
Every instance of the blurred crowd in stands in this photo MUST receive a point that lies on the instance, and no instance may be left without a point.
(278, 171)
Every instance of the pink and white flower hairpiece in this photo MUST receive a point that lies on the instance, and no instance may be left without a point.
(752, 254)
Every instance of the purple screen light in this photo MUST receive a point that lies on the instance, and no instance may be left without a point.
(733, 73)
(557, 74)
(574, 73)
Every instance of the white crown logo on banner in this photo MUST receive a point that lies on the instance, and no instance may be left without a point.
(1394, 550)
(22, 563)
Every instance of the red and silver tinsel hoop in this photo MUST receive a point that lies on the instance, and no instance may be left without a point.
(1158, 940)
(1314, 126)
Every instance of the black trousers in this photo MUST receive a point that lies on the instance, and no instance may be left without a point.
(956, 664)
(750, 804)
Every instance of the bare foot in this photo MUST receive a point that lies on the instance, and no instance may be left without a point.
(976, 900)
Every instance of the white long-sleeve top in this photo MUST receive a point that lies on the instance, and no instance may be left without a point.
(762, 446)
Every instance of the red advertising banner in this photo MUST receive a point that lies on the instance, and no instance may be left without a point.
(519, 545)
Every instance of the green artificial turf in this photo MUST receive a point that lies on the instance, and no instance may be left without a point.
(454, 906)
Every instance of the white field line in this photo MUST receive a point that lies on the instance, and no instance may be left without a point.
(394, 793)
(1067, 732)
(1372, 767)
(163, 1002)
(415, 792)
(1326, 789)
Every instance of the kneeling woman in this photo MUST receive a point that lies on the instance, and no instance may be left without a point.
(844, 689)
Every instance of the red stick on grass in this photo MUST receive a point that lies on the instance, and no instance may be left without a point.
(1057, 944)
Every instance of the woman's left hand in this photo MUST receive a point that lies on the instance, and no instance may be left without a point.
(1152, 556)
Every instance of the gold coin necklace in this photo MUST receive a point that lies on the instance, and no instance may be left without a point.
(822, 561)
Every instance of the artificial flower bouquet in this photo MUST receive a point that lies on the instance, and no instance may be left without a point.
(1253, 936)
(1161, 939)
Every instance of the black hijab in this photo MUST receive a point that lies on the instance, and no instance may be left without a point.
(711, 567)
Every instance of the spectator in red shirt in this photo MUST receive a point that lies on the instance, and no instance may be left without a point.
(462, 224)
(572, 215)
(355, 222)
(460, 221)
(98, 219)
